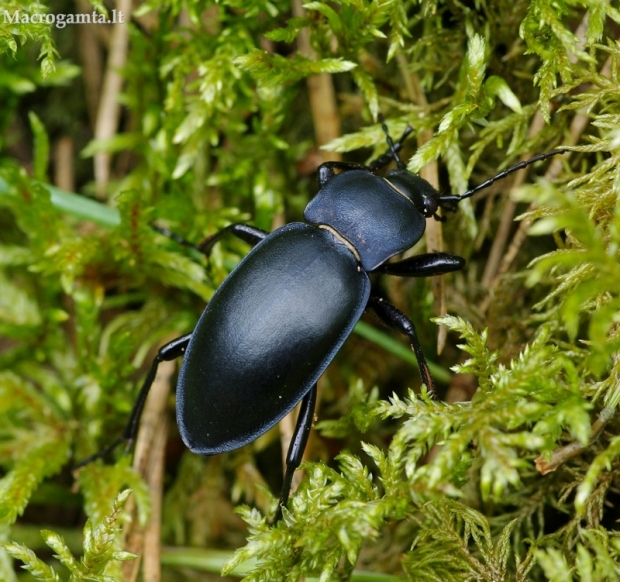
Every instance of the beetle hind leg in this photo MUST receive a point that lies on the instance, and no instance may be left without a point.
(170, 351)
(297, 447)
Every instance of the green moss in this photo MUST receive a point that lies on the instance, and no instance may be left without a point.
(517, 484)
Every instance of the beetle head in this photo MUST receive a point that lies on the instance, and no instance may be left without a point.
(418, 190)
(425, 198)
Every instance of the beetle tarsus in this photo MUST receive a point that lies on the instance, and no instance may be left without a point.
(100, 454)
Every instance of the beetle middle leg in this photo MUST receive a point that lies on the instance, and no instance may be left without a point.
(172, 350)
(245, 232)
(396, 319)
(297, 447)
(249, 234)
(425, 265)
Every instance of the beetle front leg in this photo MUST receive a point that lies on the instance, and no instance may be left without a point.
(170, 351)
(297, 447)
(386, 158)
(396, 319)
(426, 265)
(326, 170)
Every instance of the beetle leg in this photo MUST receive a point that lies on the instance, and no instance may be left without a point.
(170, 351)
(386, 158)
(327, 170)
(297, 447)
(171, 235)
(426, 265)
(247, 233)
(396, 319)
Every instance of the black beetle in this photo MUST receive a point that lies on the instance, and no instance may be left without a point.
(278, 320)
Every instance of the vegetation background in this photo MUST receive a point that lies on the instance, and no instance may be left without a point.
(194, 114)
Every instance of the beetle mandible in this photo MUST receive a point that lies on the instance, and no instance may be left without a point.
(277, 321)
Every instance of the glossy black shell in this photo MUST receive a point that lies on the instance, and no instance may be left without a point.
(267, 335)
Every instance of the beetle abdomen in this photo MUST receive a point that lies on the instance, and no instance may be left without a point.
(267, 335)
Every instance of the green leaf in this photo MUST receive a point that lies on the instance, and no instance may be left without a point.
(41, 147)
(39, 569)
(274, 69)
(495, 86)
(43, 458)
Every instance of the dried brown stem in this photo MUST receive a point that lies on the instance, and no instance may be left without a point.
(109, 106)
(92, 61)
(151, 569)
(430, 172)
(64, 176)
(567, 452)
(145, 541)
(577, 127)
(499, 243)
(497, 264)
(327, 127)
(321, 94)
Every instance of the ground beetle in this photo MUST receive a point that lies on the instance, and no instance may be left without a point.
(280, 317)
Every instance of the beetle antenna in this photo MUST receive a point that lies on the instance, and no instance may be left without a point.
(393, 150)
(455, 199)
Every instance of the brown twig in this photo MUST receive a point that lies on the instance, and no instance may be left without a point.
(499, 262)
(151, 570)
(499, 242)
(64, 176)
(109, 106)
(567, 452)
(321, 94)
(145, 541)
(577, 127)
(92, 61)
(326, 127)
(430, 172)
